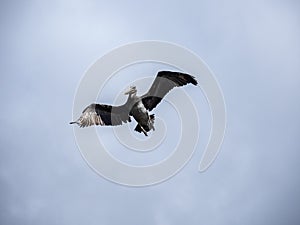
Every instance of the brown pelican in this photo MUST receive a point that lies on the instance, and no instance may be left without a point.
(136, 106)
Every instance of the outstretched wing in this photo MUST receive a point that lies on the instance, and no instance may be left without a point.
(163, 83)
(104, 115)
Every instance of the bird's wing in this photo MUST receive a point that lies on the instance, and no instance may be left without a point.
(163, 83)
(103, 115)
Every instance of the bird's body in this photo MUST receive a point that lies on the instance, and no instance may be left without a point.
(136, 106)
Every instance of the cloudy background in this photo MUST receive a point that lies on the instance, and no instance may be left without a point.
(253, 49)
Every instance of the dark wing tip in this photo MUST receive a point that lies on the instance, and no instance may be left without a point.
(181, 78)
(192, 80)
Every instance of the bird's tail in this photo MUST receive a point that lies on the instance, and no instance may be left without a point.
(138, 128)
(146, 128)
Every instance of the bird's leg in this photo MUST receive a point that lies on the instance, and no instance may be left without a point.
(151, 122)
(143, 130)
(151, 125)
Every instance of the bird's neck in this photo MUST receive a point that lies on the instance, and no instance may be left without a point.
(131, 97)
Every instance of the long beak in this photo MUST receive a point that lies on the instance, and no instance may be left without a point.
(127, 92)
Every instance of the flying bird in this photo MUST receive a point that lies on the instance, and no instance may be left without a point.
(137, 107)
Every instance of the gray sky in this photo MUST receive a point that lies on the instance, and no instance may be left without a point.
(253, 49)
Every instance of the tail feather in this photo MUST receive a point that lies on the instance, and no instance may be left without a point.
(138, 128)
(146, 128)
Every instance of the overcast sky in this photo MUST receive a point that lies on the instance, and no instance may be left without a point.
(253, 48)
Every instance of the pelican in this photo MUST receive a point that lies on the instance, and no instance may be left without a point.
(137, 107)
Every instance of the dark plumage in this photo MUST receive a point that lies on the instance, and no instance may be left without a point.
(138, 107)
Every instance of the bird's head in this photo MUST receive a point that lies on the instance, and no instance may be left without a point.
(132, 90)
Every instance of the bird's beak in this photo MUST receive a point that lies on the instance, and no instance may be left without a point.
(127, 92)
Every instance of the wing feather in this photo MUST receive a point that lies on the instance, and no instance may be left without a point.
(163, 83)
(103, 115)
